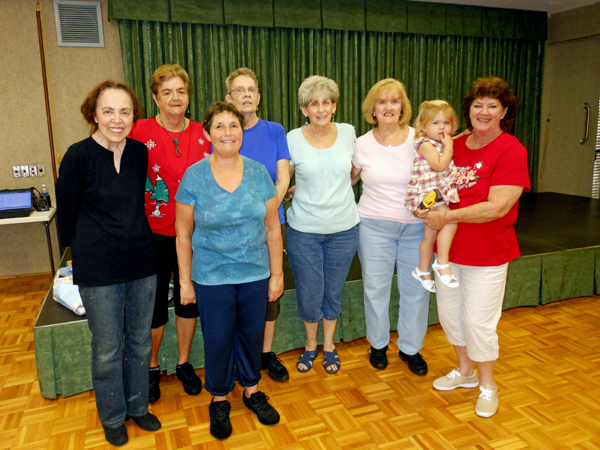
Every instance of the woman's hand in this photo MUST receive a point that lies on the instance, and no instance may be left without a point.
(291, 192)
(275, 287)
(466, 132)
(186, 293)
(435, 220)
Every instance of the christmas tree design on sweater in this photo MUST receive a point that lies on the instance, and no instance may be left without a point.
(160, 193)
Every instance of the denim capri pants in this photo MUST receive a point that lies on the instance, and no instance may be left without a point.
(320, 264)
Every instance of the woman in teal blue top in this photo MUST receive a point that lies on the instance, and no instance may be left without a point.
(322, 235)
(229, 250)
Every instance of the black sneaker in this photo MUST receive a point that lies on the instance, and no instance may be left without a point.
(378, 358)
(116, 436)
(259, 403)
(192, 384)
(220, 425)
(416, 363)
(147, 422)
(154, 391)
(270, 362)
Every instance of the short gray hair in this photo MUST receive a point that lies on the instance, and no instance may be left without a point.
(317, 86)
(242, 71)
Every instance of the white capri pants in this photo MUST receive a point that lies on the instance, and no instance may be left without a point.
(470, 313)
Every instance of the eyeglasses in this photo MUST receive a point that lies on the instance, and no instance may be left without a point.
(242, 91)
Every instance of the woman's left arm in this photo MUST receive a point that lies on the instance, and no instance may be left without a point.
(282, 182)
(275, 246)
(499, 202)
(355, 174)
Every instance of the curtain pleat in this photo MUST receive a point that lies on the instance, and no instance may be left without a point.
(430, 66)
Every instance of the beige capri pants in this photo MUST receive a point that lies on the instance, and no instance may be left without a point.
(470, 313)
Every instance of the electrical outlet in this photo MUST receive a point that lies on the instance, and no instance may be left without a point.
(16, 171)
(41, 170)
(33, 171)
(24, 171)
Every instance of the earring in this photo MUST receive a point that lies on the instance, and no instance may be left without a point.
(306, 122)
(333, 118)
(188, 111)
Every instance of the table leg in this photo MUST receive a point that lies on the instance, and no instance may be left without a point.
(46, 225)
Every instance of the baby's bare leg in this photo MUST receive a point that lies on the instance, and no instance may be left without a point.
(426, 250)
(444, 242)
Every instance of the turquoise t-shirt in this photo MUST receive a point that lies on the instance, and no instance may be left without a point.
(229, 241)
(324, 200)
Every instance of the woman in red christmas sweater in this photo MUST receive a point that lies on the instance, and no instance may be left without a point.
(174, 143)
(492, 174)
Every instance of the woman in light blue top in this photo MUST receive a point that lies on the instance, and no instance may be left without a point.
(230, 262)
(322, 235)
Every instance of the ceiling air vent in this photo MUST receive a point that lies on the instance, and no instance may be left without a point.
(78, 23)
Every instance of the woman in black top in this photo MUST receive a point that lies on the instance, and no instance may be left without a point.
(100, 200)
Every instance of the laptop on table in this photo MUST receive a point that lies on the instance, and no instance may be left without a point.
(15, 203)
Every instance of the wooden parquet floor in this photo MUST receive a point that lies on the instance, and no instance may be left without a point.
(548, 376)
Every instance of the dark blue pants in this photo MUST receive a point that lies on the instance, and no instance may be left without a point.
(233, 325)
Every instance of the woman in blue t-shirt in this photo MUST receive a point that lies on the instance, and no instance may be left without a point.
(229, 250)
(266, 143)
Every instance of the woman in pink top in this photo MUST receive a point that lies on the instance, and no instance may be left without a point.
(389, 234)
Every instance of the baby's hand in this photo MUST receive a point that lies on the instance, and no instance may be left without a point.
(448, 142)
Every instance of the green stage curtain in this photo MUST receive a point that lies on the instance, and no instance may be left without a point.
(430, 66)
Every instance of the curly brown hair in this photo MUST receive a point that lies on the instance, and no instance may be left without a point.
(218, 108)
(492, 87)
(88, 108)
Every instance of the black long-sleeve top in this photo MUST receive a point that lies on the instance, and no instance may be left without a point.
(100, 213)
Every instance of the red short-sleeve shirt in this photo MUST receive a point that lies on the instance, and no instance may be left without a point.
(502, 162)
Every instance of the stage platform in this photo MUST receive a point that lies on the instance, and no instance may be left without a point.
(559, 237)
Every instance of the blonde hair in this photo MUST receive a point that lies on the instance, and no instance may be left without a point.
(317, 86)
(167, 71)
(379, 90)
(428, 110)
(242, 71)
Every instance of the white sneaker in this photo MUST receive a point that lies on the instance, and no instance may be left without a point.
(487, 403)
(455, 380)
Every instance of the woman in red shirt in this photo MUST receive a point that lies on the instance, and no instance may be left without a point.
(174, 143)
(492, 174)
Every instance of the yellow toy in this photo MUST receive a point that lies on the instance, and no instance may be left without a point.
(431, 199)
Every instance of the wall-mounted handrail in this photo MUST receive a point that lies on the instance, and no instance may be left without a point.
(587, 124)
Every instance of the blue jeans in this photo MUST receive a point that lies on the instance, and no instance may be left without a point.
(119, 317)
(383, 244)
(320, 264)
(233, 326)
